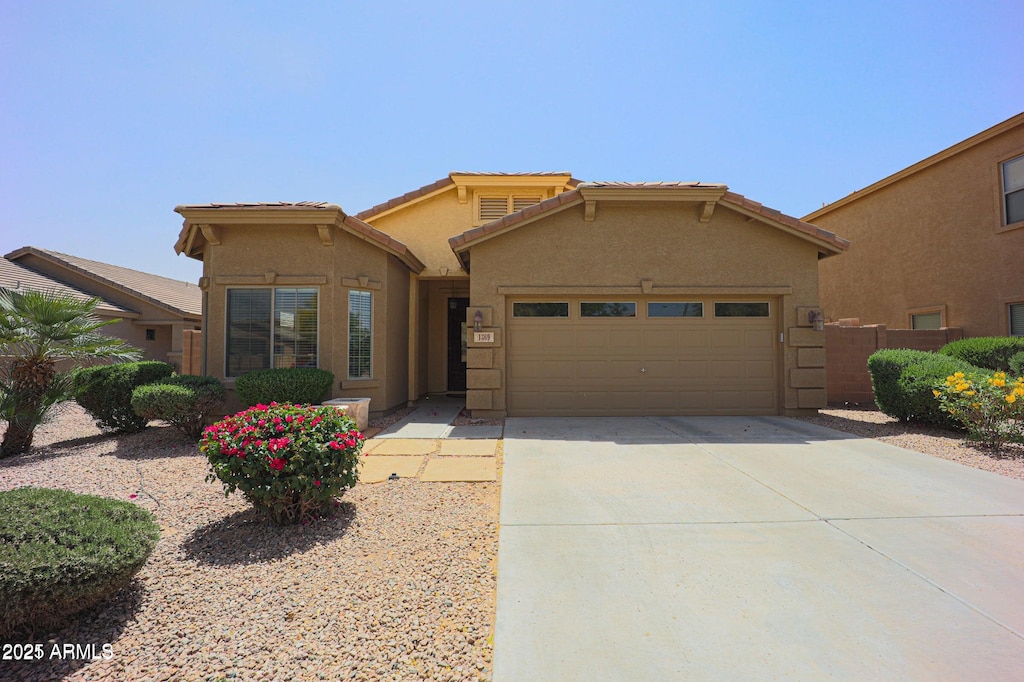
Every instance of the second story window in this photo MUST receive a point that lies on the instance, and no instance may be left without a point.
(1013, 190)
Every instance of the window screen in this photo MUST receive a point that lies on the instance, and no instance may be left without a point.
(1016, 319)
(360, 334)
(248, 332)
(926, 320)
(1013, 189)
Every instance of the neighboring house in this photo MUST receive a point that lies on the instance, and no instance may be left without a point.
(534, 294)
(154, 310)
(938, 244)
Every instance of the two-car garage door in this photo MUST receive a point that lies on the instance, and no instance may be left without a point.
(579, 356)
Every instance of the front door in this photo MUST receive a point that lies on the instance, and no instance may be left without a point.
(457, 343)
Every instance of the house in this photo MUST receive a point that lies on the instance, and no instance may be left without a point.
(533, 293)
(937, 244)
(154, 311)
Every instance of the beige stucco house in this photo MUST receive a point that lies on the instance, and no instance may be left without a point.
(533, 293)
(153, 311)
(938, 244)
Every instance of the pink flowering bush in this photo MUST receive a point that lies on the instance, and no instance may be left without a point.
(289, 461)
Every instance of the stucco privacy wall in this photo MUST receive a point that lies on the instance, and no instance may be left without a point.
(930, 239)
(254, 255)
(667, 245)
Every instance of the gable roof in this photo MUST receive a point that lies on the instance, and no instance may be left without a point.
(959, 147)
(17, 277)
(181, 298)
(316, 213)
(449, 182)
(828, 243)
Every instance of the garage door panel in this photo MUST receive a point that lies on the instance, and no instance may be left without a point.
(591, 366)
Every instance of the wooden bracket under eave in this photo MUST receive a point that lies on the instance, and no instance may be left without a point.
(326, 238)
(589, 209)
(211, 233)
(462, 194)
(709, 209)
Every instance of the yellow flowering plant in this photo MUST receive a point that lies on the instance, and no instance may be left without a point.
(990, 406)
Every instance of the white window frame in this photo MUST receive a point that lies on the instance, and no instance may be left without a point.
(1005, 193)
(273, 298)
(361, 292)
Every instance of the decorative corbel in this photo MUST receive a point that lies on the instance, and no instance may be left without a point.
(211, 233)
(646, 285)
(462, 194)
(326, 238)
(363, 281)
(589, 209)
(709, 208)
(270, 276)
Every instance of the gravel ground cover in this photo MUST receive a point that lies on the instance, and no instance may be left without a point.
(927, 439)
(399, 586)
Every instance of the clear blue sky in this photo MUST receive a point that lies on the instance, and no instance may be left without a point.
(113, 113)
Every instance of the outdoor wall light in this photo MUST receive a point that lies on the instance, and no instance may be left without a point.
(478, 320)
(816, 319)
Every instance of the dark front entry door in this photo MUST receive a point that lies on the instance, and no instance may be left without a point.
(457, 343)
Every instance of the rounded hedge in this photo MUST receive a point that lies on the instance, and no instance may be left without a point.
(105, 392)
(187, 402)
(289, 461)
(1017, 364)
(61, 552)
(903, 381)
(987, 352)
(297, 385)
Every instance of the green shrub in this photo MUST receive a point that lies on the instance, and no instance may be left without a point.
(106, 392)
(187, 402)
(1017, 364)
(990, 407)
(903, 381)
(299, 385)
(987, 352)
(61, 552)
(289, 461)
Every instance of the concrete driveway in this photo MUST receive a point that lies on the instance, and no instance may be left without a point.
(688, 548)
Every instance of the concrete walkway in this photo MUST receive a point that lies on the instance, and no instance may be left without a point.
(433, 417)
(750, 549)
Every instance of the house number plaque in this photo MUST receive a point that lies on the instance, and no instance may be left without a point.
(483, 337)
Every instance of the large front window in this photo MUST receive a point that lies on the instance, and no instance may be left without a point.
(271, 328)
(360, 334)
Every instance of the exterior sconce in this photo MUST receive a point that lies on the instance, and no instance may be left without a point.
(478, 320)
(816, 319)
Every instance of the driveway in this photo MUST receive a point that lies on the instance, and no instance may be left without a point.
(745, 548)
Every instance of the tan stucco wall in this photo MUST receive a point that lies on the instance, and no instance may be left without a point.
(664, 243)
(439, 291)
(297, 258)
(166, 347)
(933, 239)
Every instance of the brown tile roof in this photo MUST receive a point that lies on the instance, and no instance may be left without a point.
(448, 182)
(352, 223)
(182, 298)
(460, 241)
(15, 276)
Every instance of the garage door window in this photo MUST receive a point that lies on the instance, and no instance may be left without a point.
(540, 309)
(759, 309)
(612, 309)
(675, 309)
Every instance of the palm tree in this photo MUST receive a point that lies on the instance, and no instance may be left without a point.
(37, 329)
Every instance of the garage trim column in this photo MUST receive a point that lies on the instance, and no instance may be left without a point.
(482, 379)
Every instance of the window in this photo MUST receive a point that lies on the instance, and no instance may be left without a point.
(360, 334)
(666, 309)
(759, 309)
(1013, 190)
(540, 309)
(613, 309)
(150, 335)
(931, 320)
(1016, 315)
(494, 207)
(271, 328)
